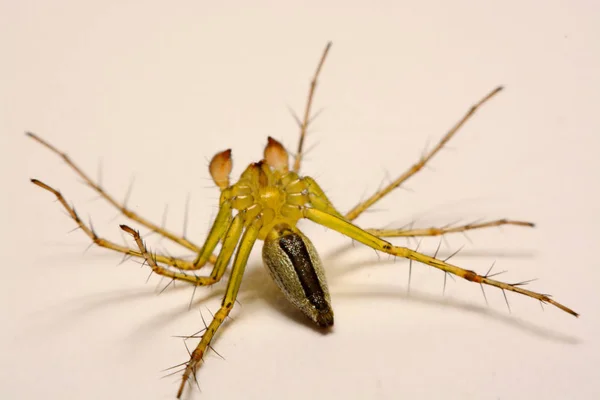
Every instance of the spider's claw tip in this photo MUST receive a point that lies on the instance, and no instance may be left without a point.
(43, 186)
(127, 229)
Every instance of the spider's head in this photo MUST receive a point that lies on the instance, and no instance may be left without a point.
(266, 188)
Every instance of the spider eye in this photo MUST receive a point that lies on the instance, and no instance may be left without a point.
(220, 168)
(276, 155)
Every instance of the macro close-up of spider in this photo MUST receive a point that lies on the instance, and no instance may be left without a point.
(266, 203)
(317, 200)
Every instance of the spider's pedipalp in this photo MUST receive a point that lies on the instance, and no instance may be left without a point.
(276, 156)
(220, 167)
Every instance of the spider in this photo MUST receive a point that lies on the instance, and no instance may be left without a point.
(266, 204)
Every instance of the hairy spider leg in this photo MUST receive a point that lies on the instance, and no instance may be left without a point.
(231, 238)
(233, 285)
(364, 205)
(184, 242)
(307, 110)
(347, 228)
(218, 229)
(433, 231)
(101, 242)
(318, 198)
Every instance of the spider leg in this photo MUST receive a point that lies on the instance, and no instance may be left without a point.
(361, 207)
(246, 243)
(444, 230)
(88, 230)
(307, 114)
(317, 197)
(356, 233)
(119, 206)
(217, 231)
(234, 231)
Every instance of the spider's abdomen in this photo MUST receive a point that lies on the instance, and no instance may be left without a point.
(296, 268)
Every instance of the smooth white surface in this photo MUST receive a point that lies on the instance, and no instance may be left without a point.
(155, 89)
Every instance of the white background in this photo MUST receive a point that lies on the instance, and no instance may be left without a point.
(153, 90)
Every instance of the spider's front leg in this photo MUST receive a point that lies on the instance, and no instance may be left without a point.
(121, 206)
(107, 244)
(358, 234)
(227, 230)
(239, 264)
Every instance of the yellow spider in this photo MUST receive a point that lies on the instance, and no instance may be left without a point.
(266, 203)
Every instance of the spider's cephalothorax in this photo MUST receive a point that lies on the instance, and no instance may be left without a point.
(267, 192)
